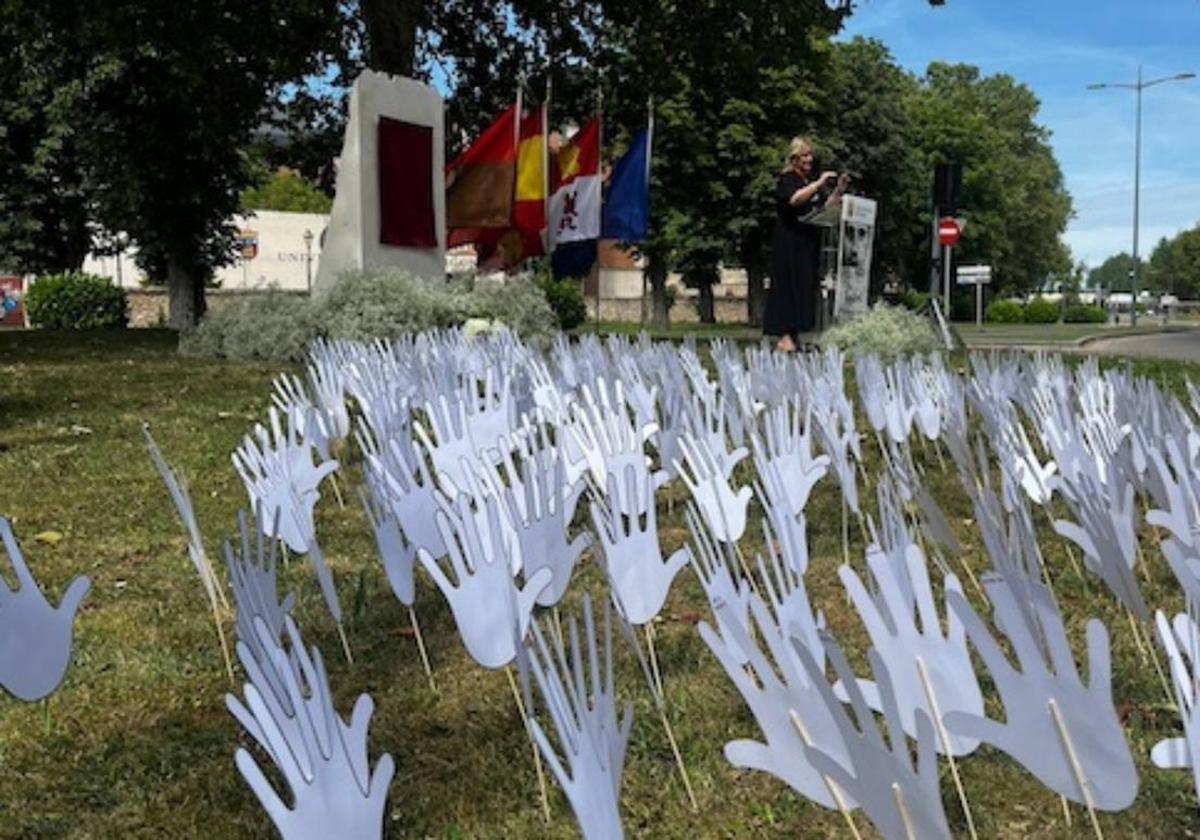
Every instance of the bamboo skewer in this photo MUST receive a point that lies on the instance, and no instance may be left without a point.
(537, 757)
(1076, 768)
(944, 737)
(834, 790)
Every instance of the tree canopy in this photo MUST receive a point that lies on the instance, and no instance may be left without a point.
(1175, 265)
(116, 117)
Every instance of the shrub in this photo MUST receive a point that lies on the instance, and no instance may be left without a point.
(962, 307)
(366, 305)
(566, 299)
(518, 304)
(76, 301)
(912, 299)
(1003, 311)
(1084, 314)
(272, 326)
(886, 331)
(1041, 311)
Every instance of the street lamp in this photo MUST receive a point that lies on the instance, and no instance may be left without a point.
(1139, 86)
(308, 239)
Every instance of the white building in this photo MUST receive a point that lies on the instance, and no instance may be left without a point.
(275, 247)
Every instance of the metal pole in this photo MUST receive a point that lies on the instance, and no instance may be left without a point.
(978, 304)
(1137, 185)
(946, 280)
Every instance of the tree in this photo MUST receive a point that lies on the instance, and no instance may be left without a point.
(1013, 192)
(287, 191)
(1175, 265)
(868, 129)
(44, 220)
(1114, 274)
(154, 114)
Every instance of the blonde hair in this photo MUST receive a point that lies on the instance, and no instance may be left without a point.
(796, 148)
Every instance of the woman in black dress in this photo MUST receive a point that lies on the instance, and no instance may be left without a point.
(796, 247)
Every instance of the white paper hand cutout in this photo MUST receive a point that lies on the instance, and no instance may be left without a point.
(278, 472)
(540, 516)
(35, 638)
(773, 701)
(639, 577)
(488, 608)
(584, 715)
(323, 761)
(1181, 641)
(1029, 733)
(723, 509)
(901, 798)
(915, 654)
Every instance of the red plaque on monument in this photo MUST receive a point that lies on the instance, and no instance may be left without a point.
(406, 214)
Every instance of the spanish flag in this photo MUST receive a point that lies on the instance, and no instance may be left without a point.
(480, 182)
(525, 237)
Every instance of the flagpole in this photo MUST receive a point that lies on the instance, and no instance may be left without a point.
(546, 163)
(649, 146)
(600, 164)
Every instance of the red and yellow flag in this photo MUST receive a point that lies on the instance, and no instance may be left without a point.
(525, 237)
(480, 182)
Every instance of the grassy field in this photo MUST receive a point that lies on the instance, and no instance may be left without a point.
(973, 336)
(137, 742)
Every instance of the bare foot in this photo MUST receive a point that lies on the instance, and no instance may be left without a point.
(786, 345)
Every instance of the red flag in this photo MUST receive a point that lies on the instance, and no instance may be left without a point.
(480, 182)
(505, 247)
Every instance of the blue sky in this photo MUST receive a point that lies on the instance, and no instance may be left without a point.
(1058, 47)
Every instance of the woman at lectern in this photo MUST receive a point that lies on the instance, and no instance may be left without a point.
(796, 246)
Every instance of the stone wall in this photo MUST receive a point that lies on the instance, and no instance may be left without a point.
(148, 306)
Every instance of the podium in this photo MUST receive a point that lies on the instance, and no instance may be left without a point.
(829, 220)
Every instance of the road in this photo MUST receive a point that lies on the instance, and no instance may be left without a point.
(1177, 346)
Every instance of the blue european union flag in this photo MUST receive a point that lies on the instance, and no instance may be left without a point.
(627, 207)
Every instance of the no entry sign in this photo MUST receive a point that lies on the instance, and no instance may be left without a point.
(948, 231)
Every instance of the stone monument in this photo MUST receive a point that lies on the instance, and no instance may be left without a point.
(390, 206)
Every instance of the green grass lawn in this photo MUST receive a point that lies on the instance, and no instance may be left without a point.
(137, 742)
(986, 335)
(1051, 333)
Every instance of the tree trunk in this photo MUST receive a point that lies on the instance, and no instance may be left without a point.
(756, 298)
(391, 28)
(185, 296)
(660, 316)
(708, 308)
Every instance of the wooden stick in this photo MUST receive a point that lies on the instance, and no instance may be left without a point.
(904, 815)
(687, 783)
(834, 790)
(1080, 779)
(345, 644)
(658, 683)
(537, 757)
(216, 584)
(224, 643)
(1137, 636)
(337, 492)
(945, 739)
(412, 616)
(661, 702)
(737, 550)
(1066, 806)
(845, 532)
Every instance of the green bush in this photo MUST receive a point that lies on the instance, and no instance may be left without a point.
(912, 299)
(1084, 314)
(1001, 311)
(76, 301)
(273, 326)
(1040, 311)
(362, 306)
(887, 331)
(566, 299)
